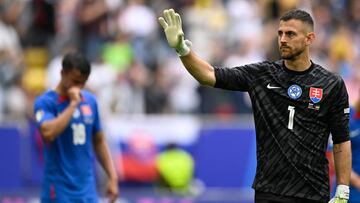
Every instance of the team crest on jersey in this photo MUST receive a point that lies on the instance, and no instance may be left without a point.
(315, 94)
(86, 111)
(294, 91)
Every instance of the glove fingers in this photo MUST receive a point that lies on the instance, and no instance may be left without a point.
(163, 22)
(178, 21)
(167, 17)
(173, 17)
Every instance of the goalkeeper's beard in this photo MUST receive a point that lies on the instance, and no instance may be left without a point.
(292, 54)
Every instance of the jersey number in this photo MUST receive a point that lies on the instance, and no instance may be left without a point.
(291, 117)
(79, 135)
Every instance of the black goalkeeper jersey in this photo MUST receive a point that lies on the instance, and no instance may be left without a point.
(294, 114)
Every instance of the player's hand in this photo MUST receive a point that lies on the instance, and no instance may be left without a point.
(112, 190)
(341, 195)
(171, 22)
(74, 94)
(338, 200)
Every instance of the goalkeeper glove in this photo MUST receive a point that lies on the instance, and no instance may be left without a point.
(171, 22)
(341, 195)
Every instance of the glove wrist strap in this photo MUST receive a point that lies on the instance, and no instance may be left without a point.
(184, 48)
(342, 191)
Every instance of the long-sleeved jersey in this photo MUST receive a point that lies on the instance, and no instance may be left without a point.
(294, 114)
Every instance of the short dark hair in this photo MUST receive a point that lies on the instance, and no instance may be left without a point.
(74, 60)
(301, 15)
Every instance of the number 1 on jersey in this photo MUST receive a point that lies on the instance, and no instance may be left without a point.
(291, 117)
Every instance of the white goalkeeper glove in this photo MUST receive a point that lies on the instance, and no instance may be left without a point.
(341, 195)
(174, 33)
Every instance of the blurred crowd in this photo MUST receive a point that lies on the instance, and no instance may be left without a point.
(134, 70)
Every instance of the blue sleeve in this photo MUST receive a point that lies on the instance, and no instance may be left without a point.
(97, 122)
(43, 110)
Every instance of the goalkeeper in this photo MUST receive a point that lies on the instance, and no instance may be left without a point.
(296, 104)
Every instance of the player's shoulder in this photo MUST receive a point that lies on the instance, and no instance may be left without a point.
(47, 96)
(320, 70)
(262, 64)
(327, 77)
(332, 77)
(261, 67)
(89, 96)
(269, 67)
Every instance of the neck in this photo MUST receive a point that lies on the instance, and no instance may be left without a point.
(60, 90)
(298, 65)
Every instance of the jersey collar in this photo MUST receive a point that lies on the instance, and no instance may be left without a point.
(312, 66)
(63, 98)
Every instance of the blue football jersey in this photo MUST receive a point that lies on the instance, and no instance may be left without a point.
(69, 173)
(354, 127)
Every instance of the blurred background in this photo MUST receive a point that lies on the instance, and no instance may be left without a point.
(146, 98)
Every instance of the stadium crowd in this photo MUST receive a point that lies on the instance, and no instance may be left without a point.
(135, 72)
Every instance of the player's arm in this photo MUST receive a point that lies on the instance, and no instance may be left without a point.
(202, 71)
(103, 154)
(342, 162)
(52, 128)
(355, 180)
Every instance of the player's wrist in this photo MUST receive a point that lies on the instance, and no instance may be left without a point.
(74, 103)
(184, 47)
(113, 178)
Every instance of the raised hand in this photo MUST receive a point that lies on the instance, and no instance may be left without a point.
(171, 23)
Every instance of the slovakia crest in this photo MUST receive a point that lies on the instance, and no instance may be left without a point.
(87, 113)
(315, 94)
(86, 110)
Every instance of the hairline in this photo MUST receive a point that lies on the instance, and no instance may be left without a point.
(307, 27)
